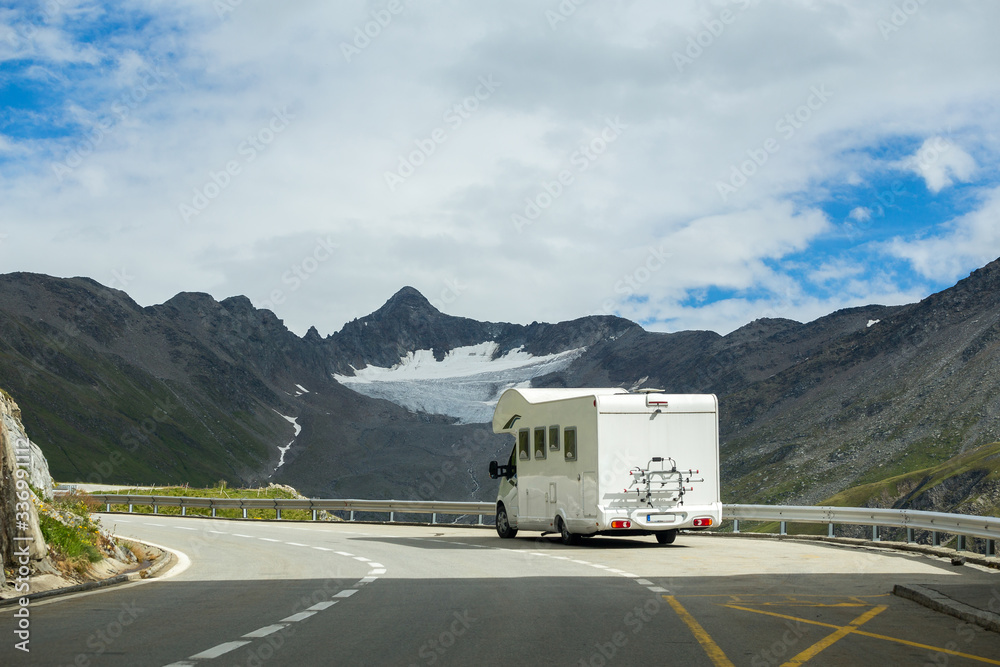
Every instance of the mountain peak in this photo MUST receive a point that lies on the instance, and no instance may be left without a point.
(408, 297)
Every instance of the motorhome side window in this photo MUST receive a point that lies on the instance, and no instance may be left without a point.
(540, 442)
(569, 443)
(554, 438)
(523, 448)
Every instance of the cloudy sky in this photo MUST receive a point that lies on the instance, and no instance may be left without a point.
(688, 165)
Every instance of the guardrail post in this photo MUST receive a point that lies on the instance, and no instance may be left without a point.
(736, 525)
(314, 515)
(935, 538)
(392, 517)
(184, 510)
(352, 516)
(909, 535)
(130, 508)
(156, 508)
(960, 544)
(434, 518)
(277, 513)
(108, 509)
(991, 548)
(244, 512)
(481, 520)
(213, 510)
(875, 537)
(783, 528)
(829, 530)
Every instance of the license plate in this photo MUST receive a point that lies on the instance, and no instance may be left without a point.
(660, 518)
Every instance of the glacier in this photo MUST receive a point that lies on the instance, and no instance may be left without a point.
(464, 385)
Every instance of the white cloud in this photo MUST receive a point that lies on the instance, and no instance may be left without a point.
(964, 243)
(861, 214)
(940, 163)
(447, 229)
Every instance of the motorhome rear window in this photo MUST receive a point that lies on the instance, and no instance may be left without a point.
(569, 443)
(523, 447)
(554, 438)
(540, 442)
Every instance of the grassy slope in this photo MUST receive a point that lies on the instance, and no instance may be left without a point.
(912, 484)
(886, 492)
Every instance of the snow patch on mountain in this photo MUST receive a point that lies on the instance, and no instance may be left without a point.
(284, 450)
(465, 384)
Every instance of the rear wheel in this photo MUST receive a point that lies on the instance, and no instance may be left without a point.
(565, 536)
(504, 529)
(666, 536)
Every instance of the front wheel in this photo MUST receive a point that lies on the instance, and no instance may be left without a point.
(504, 528)
(666, 536)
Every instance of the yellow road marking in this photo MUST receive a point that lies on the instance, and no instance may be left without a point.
(835, 637)
(873, 635)
(785, 616)
(715, 653)
(938, 649)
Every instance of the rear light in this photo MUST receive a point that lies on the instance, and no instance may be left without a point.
(621, 523)
(702, 523)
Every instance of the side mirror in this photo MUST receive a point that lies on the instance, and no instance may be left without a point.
(494, 470)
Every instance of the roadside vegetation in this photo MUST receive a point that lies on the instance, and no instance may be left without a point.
(74, 539)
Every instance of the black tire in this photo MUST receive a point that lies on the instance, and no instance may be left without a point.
(504, 529)
(666, 536)
(565, 536)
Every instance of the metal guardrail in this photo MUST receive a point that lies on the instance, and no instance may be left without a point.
(314, 505)
(937, 523)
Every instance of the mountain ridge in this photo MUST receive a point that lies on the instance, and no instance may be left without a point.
(196, 389)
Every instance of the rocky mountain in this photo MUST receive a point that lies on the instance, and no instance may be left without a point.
(195, 390)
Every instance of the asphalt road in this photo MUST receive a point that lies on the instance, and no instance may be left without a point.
(256, 593)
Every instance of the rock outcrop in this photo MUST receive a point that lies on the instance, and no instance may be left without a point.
(19, 526)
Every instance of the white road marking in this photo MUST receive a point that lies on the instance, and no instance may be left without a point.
(296, 544)
(320, 606)
(644, 582)
(265, 631)
(347, 593)
(322, 549)
(301, 616)
(362, 559)
(344, 553)
(370, 564)
(268, 539)
(380, 570)
(216, 651)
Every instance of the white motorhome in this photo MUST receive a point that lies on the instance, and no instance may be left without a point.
(607, 462)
